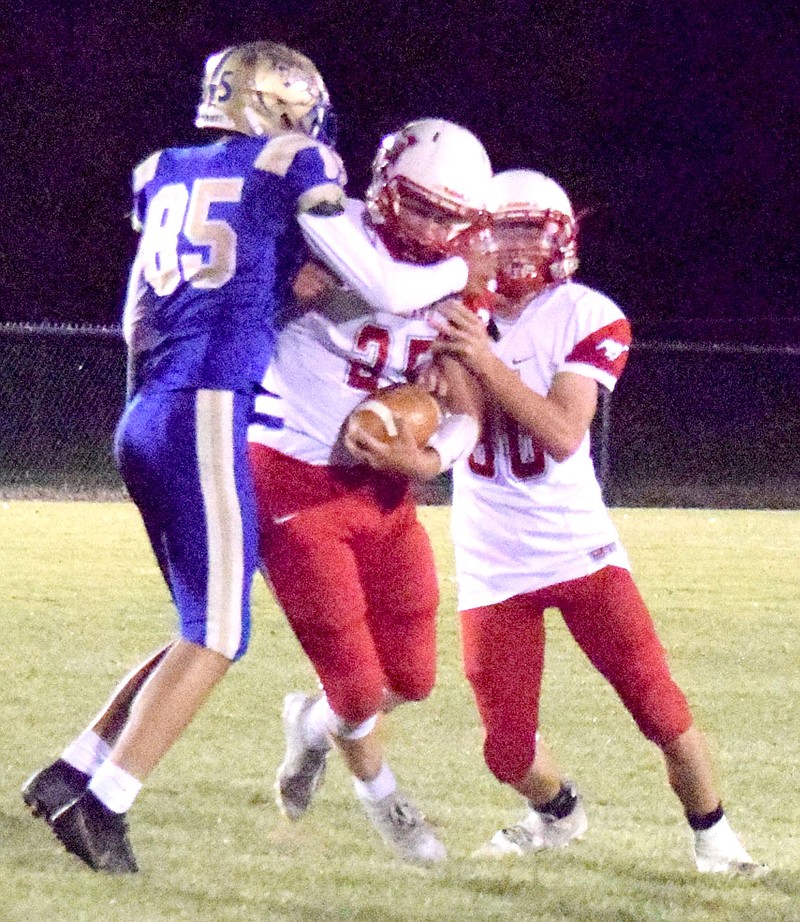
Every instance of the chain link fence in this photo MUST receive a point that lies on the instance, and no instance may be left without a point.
(705, 425)
(62, 389)
(690, 424)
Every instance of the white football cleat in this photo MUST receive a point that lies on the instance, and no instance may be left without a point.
(303, 768)
(404, 828)
(538, 831)
(718, 851)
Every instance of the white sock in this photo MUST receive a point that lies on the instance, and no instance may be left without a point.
(382, 785)
(720, 838)
(87, 753)
(319, 724)
(115, 787)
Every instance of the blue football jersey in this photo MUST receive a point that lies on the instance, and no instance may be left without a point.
(219, 240)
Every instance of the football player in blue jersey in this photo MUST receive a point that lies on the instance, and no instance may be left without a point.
(219, 241)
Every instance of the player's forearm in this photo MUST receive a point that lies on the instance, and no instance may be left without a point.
(412, 287)
(555, 429)
(385, 284)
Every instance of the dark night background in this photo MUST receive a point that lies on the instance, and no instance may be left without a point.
(673, 123)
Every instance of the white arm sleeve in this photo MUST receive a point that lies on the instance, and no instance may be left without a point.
(341, 242)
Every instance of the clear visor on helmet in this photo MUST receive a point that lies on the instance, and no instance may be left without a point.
(528, 246)
(429, 219)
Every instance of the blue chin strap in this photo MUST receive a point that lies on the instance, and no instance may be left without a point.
(327, 127)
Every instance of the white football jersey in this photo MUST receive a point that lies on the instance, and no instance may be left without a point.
(521, 520)
(325, 364)
(329, 359)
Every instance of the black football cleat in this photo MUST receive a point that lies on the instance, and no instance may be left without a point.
(52, 788)
(97, 835)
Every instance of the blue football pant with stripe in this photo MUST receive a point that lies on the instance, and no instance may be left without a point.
(183, 457)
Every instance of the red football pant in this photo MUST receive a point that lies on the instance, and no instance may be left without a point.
(503, 652)
(354, 572)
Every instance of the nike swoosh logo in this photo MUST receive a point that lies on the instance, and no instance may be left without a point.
(280, 519)
(520, 361)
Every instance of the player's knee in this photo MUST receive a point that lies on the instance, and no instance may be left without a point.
(411, 685)
(392, 699)
(411, 674)
(662, 712)
(232, 647)
(354, 702)
(509, 758)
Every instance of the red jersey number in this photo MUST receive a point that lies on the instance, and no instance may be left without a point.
(526, 459)
(373, 345)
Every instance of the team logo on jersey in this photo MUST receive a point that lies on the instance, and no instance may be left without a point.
(600, 552)
(606, 348)
(612, 349)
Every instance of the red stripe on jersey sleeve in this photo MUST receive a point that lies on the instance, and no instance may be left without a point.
(606, 348)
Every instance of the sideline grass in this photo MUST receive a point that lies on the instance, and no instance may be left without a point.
(82, 601)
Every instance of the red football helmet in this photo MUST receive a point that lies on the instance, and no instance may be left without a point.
(535, 232)
(430, 182)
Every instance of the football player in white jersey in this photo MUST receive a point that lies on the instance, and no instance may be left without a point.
(531, 530)
(345, 554)
(378, 278)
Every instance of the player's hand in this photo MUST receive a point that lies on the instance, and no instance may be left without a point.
(313, 280)
(430, 377)
(478, 249)
(400, 455)
(462, 333)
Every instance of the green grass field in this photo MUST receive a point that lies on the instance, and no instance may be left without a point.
(81, 601)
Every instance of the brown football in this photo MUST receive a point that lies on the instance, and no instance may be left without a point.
(418, 409)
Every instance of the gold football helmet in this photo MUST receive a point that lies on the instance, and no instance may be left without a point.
(263, 88)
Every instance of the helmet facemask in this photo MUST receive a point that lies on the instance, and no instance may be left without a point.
(418, 224)
(533, 251)
(535, 232)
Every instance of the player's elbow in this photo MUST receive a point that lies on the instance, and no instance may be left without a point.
(561, 454)
(563, 448)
